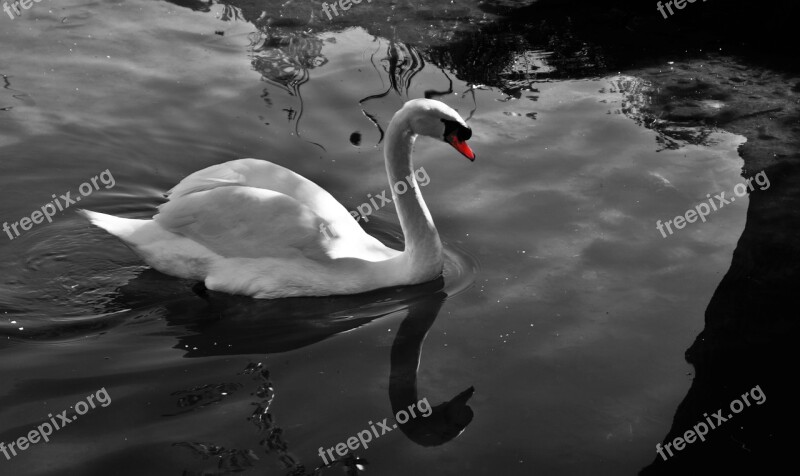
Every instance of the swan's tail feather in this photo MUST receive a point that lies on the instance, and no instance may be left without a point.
(165, 251)
(122, 228)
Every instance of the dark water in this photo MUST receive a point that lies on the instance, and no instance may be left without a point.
(554, 343)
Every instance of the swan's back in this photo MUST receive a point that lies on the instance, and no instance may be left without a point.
(266, 175)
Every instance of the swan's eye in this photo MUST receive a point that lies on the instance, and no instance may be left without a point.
(451, 127)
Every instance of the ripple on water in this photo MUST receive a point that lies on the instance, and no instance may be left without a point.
(60, 281)
(67, 281)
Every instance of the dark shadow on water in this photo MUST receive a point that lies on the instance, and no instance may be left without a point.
(207, 323)
(749, 340)
(152, 306)
(446, 420)
(502, 42)
(512, 45)
(230, 325)
(235, 325)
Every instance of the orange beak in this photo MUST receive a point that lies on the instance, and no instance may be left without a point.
(461, 146)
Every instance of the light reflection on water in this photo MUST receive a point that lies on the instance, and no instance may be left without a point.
(571, 329)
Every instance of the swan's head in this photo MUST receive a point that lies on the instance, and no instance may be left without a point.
(428, 117)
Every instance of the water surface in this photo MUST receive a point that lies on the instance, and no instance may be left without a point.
(562, 305)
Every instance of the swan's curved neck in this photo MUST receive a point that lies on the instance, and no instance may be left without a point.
(423, 250)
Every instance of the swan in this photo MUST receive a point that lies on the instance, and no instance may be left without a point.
(251, 227)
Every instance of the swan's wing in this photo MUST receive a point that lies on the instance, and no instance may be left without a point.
(236, 221)
(350, 240)
(266, 175)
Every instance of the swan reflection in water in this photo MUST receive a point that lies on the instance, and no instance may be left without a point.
(219, 324)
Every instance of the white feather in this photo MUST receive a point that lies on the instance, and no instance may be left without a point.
(253, 227)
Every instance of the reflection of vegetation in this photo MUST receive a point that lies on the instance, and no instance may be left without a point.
(281, 52)
(401, 64)
(513, 57)
(287, 45)
(512, 45)
(637, 104)
(285, 61)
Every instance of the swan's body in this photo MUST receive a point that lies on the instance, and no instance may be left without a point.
(253, 227)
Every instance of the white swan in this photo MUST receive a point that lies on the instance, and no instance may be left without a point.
(252, 227)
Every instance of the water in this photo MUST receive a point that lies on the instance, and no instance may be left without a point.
(561, 305)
